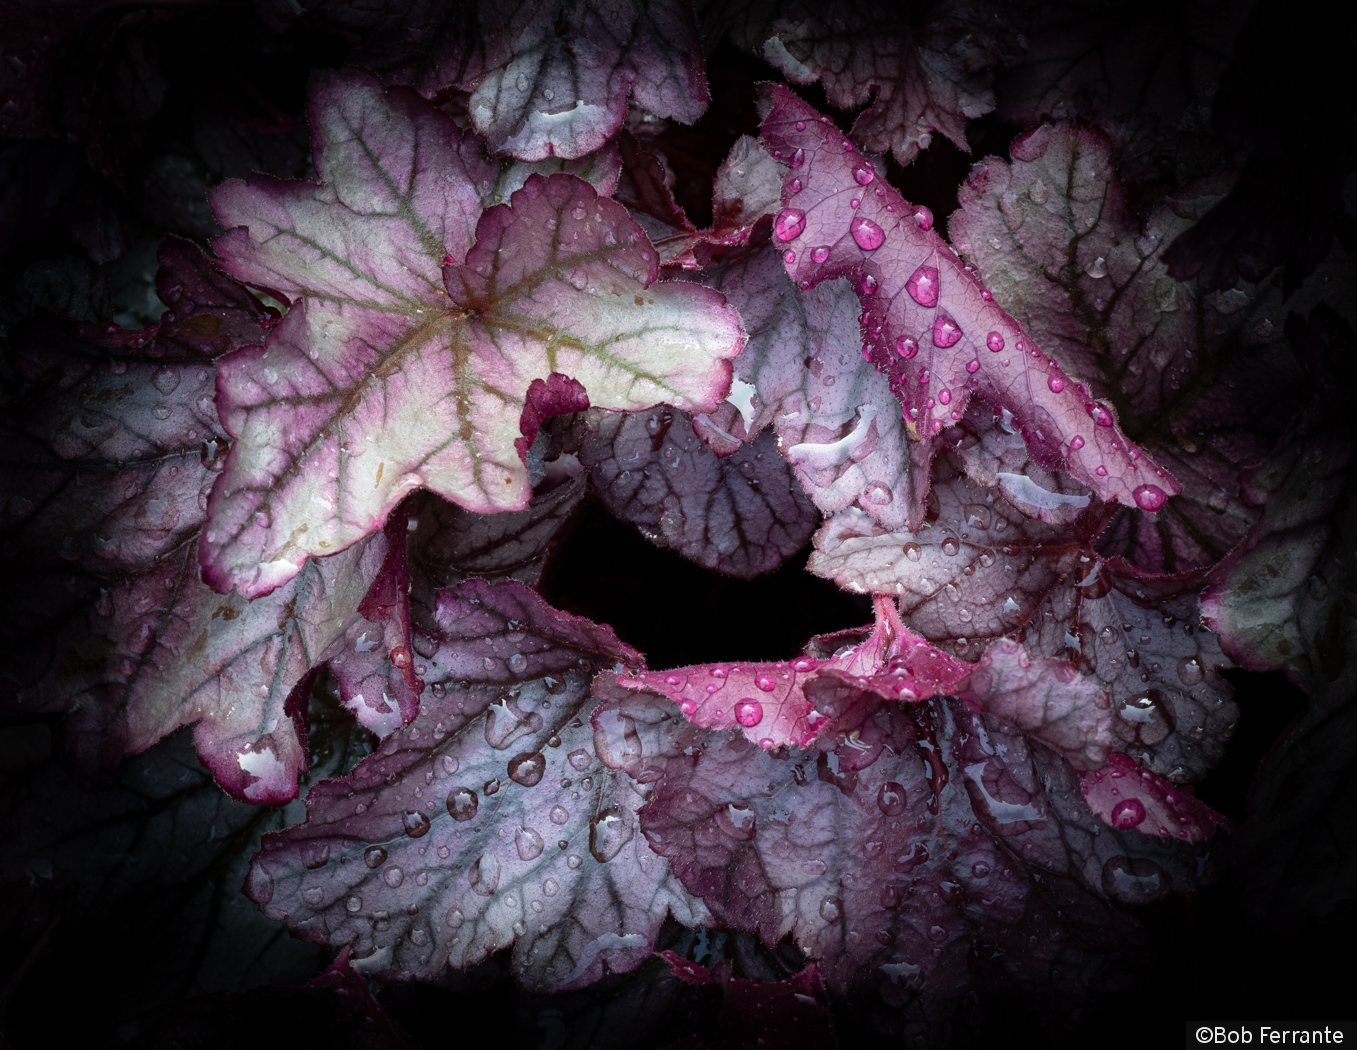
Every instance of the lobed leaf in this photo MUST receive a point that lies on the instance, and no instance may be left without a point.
(407, 357)
(927, 323)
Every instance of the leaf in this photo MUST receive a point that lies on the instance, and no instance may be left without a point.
(547, 77)
(115, 451)
(920, 78)
(1282, 599)
(378, 381)
(742, 515)
(960, 856)
(834, 415)
(488, 821)
(1192, 377)
(1127, 797)
(927, 323)
(644, 188)
(985, 570)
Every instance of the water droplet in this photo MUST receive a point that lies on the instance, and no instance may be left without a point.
(913, 551)
(528, 768)
(906, 346)
(1099, 414)
(923, 285)
(799, 157)
(980, 869)
(1056, 384)
(1097, 268)
(820, 254)
(315, 855)
(518, 663)
(863, 175)
(354, 905)
(766, 682)
(449, 765)
(529, 844)
(994, 341)
(1128, 813)
(1190, 671)
(946, 332)
(419, 937)
(737, 820)
(313, 895)
(374, 856)
(795, 186)
(393, 877)
(490, 787)
(973, 365)
(890, 798)
(749, 712)
(937, 934)
(559, 814)
(166, 380)
(462, 803)
(1037, 191)
(869, 285)
(831, 908)
(573, 861)
(950, 546)
(580, 759)
(1076, 443)
(790, 224)
(944, 397)
(877, 493)
(789, 256)
(923, 218)
(455, 918)
(416, 823)
(608, 833)
(869, 235)
(1149, 497)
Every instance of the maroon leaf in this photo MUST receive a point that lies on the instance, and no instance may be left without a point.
(742, 515)
(927, 323)
(921, 75)
(488, 821)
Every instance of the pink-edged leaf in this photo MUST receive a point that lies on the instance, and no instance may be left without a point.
(602, 169)
(920, 78)
(643, 187)
(1045, 699)
(1192, 377)
(1128, 797)
(488, 822)
(835, 418)
(748, 186)
(547, 77)
(927, 323)
(742, 515)
(400, 365)
(792, 1013)
(120, 630)
(961, 856)
(800, 701)
(984, 570)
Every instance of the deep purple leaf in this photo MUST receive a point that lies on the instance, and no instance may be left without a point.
(742, 514)
(487, 822)
(921, 74)
(379, 381)
(927, 322)
(891, 872)
(643, 187)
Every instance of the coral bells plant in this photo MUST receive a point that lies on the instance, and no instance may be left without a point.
(1068, 448)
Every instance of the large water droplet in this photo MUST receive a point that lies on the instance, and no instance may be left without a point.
(906, 346)
(890, 798)
(354, 905)
(1076, 443)
(374, 856)
(923, 285)
(790, 224)
(1097, 269)
(797, 158)
(1056, 383)
(529, 844)
(1146, 715)
(166, 380)
(455, 918)
(527, 769)
(580, 759)
(950, 546)
(869, 235)
(1128, 813)
(393, 877)
(416, 823)
(1099, 414)
(749, 712)
(819, 254)
(608, 833)
(315, 855)
(946, 332)
(558, 815)
(863, 175)
(1190, 671)
(1149, 497)
(913, 551)
(831, 908)
(923, 217)
(462, 803)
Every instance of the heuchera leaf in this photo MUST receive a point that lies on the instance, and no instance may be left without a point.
(984, 570)
(1127, 797)
(1283, 600)
(919, 879)
(119, 630)
(1055, 239)
(379, 381)
(834, 415)
(547, 77)
(742, 515)
(488, 821)
(927, 323)
(644, 188)
(919, 78)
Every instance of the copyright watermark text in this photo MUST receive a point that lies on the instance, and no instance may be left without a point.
(1266, 1035)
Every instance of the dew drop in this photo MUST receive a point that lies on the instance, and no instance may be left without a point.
(518, 663)
(1099, 414)
(462, 803)
(819, 254)
(580, 759)
(749, 712)
(528, 768)
(738, 821)
(906, 346)
(799, 157)
(973, 365)
(1076, 443)
(913, 551)
(313, 895)
(789, 256)
(573, 861)
(950, 546)
(166, 380)
(923, 218)
(374, 856)
(946, 332)
(354, 905)
(790, 224)
(1056, 384)
(416, 823)
(890, 798)
(559, 814)
(877, 493)
(868, 235)
(1149, 497)
(608, 833)
(863, 175)
(1097, 269)
(831, 908)
(529, 844)
(449, 764)
(766, 682)
(994, 341)
(1128, 813)
(455, 918)
(315, 855)
(393, 877)
(1190, 671)
(923, 285)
